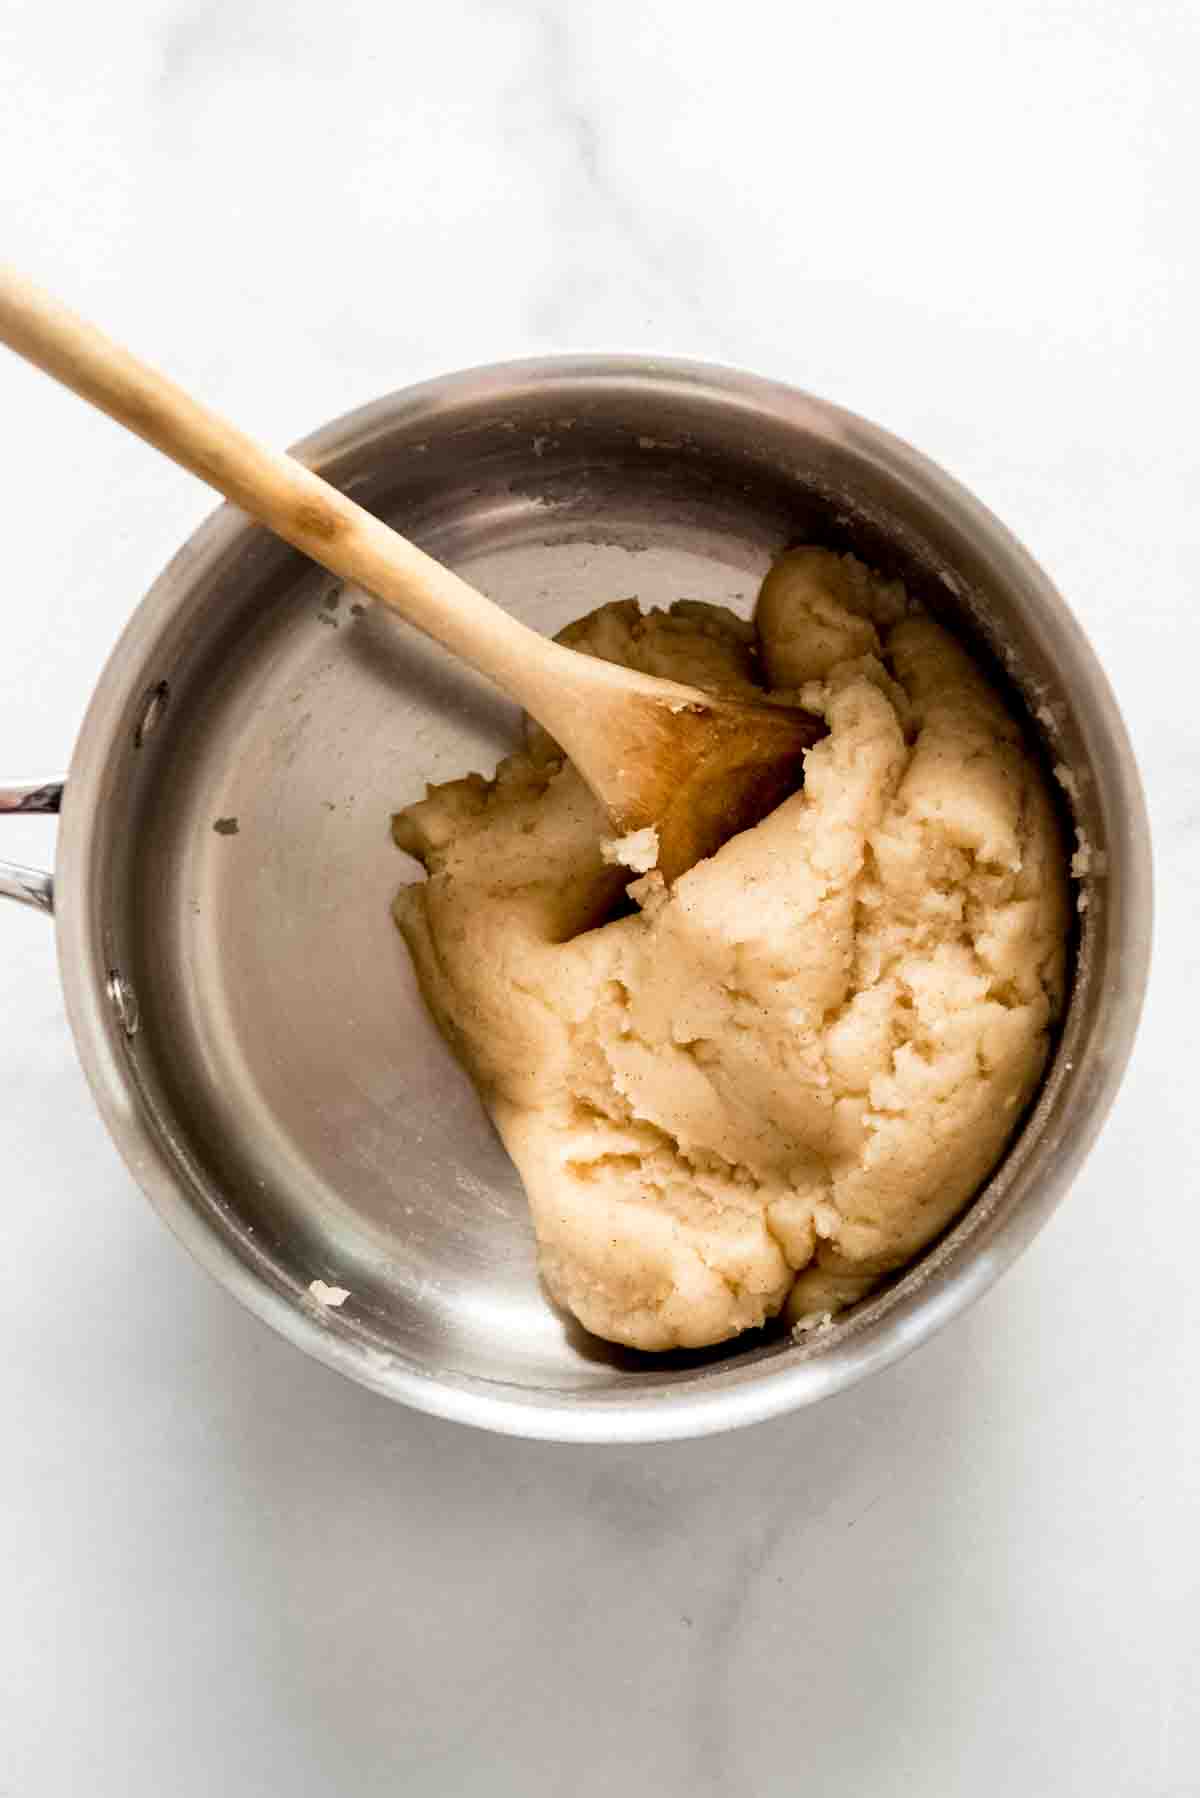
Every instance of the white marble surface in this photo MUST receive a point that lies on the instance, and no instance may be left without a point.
(224, 1569)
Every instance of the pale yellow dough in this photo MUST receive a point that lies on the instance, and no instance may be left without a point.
(775, 1083)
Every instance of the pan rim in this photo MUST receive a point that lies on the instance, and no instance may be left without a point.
(939, 1287)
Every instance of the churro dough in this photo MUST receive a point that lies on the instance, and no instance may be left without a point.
(774, 1083)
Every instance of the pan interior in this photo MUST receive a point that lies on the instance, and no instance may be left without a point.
(283, 1049)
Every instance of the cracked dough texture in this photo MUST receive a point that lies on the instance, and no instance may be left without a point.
(773, 1084)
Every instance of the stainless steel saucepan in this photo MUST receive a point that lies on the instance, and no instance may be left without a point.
(241, 1001)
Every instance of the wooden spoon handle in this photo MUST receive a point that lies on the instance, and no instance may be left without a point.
(287, 497)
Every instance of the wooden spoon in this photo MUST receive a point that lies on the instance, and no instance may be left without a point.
(655, 753)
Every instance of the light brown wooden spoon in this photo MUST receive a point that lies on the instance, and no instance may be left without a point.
(695, 767)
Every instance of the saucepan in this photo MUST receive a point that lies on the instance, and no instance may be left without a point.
(241, 1001)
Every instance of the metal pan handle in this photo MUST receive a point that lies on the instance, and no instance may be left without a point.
(29, 885)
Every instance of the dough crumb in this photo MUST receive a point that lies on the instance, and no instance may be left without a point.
(813, 1324)
(650, 892)
(1068, 781)
(637, 851)
(333, 1296)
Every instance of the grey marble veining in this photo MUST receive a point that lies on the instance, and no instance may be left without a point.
(225, 1570)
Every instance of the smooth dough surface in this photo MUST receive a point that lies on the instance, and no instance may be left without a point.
(776, 1082)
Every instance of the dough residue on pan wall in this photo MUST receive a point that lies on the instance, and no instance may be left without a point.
(773, 1083)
